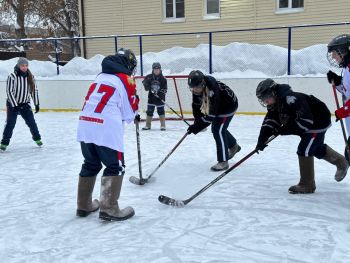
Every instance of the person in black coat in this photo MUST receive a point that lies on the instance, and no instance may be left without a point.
(214, 103)
(156, 85)
(295, 113)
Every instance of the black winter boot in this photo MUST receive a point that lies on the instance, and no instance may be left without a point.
(306, 184)
(338, 160)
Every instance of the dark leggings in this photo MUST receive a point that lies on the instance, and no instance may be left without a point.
(150, 110)
(27, 114)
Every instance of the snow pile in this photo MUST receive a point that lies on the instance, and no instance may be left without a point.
(235, 59)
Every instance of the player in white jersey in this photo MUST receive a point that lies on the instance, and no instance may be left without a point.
(110, 102)
(339, 56)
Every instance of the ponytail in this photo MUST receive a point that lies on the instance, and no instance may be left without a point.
(31, 82)
(205, 101)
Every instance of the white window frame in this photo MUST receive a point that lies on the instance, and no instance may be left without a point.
(289, 9)
(172, 19)
(211, 16)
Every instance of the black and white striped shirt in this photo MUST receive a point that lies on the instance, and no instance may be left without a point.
(18, 91)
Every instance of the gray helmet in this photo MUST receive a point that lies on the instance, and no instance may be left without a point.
(341, 45)
(195, 78)
(156, 65)
(266, 89)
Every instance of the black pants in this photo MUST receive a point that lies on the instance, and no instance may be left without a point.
(160, 110)
(223, 137)
(27, 114)
(94, 155)
(312, 144)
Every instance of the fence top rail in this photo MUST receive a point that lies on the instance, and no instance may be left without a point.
(167, 76)
(169, 34)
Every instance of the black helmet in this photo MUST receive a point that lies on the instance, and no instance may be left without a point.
(341, 45)
(130, 58)
(195, 79)
(156, 65)
(266, 89)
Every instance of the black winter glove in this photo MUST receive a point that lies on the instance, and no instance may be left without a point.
(138, 117)
(260, 146)
(333, 78)
(37, 108)
(265, 133)
(193, 129)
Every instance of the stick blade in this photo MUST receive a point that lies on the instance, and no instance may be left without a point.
(137, 181)
(170, 201)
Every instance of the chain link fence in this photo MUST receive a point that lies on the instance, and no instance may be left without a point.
(271, 51)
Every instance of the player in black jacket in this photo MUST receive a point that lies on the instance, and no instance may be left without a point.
(156, 85)
(294, 113)
(214, 103)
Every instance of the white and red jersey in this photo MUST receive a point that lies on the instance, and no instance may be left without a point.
(111, 101)
(344, 88)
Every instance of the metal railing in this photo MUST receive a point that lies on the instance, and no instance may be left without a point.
(288, 37)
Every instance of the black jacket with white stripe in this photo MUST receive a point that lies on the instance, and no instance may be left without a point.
(294, 113)
(222, 103)
(18, 91)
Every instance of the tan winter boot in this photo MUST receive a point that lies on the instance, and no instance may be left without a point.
(338, 160)
(162, 123)
(84, 201)
(110, 192)
(148, 123)
(233, 150)
(220, 166)
(306, 184)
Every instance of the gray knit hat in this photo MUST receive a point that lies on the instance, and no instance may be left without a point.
(22, 61)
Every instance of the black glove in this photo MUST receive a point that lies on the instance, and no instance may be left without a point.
(37, 108)
(265, 133)
(260, 146)
(193, 129)
(333, 78)
(137, 118)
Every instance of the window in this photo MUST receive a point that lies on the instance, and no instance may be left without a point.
(290, 5)
(212, 9)
(174, 9)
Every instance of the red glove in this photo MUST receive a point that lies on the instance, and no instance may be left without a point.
(343, 112)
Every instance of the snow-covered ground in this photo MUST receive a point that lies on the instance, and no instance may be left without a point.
(248, 216)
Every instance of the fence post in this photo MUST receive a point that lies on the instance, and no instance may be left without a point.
(141, 60)
(56, 51)
(210, 52)
(116, 44)
(289, 48)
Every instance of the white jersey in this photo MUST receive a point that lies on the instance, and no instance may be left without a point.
(105, 110)
(344, 89)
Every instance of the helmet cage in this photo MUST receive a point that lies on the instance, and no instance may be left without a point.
(341, 46)
(265, 90)
(196, 79)
(131, 59)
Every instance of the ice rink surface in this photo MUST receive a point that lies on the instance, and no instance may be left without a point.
(248, 216)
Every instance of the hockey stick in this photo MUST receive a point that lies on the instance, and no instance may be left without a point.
(341, 121)
(181, 117)
(181, 203)
(138, 151)
(142, 181)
